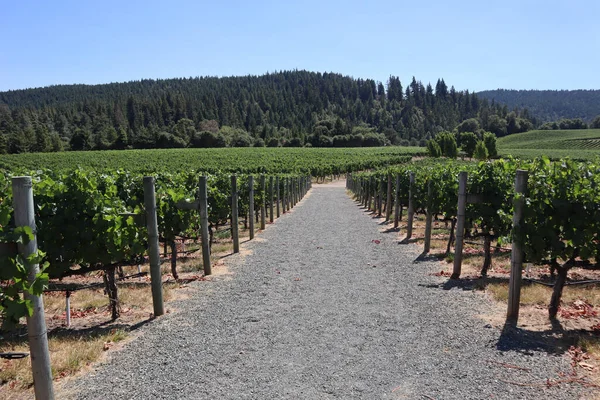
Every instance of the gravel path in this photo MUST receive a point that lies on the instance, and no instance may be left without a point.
(319, 310)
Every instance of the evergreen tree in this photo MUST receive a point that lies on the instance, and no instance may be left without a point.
(481, 151)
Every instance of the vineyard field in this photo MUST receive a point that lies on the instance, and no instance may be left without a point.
(577, 144)
(316, 161)
(561, 213)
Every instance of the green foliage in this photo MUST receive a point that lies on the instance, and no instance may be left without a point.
(447, 142)
(434, 149)
(561, 214)
(576, 144)
(468, 141)
(14, 274)
(548, 105)
(565, 124)
(282, 106)
(481, 151)
(468, 125)
(489, 139)
(85, 216)
(595, 123)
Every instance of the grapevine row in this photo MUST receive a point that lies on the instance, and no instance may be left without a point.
(561, 222)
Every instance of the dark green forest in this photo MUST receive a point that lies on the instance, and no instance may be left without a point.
(550, 105)
(288, 108)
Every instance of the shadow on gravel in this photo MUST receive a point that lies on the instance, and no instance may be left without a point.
(424, 257)
(465, 283)
(103, 328)
(409, 241)
(552, 341)
(20, 336)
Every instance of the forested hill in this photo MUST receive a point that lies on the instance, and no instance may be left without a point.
(291, 108)
(550, 105)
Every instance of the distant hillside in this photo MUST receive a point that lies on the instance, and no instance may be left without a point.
(289, 108)
(550, 105)
(582, 144)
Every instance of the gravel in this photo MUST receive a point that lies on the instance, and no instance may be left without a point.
(320, 310)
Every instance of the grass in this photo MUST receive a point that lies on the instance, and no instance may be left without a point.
(540, 295)
(581, 144)
(68, 354)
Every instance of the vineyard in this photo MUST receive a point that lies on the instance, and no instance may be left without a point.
(576, 144)
(313, 161)
(102, 214)
(561, 217)
(91, 218)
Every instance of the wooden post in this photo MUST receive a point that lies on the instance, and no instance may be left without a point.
(288, 199)
(235, 235)
(153, 246)
(271, 205)
(203, 204)
(380, 213)
(514, 284)
(365, 183)
(364, 191)
(291, 194)
(284, 196)
(277, 191)
(68, 308)
(263, 203)
(295, 190)
(428, 218)
(411, 205)
(397, 215)
(36, 324)
(460, 224)
(371, 187)
(251, 205)
(388, 203)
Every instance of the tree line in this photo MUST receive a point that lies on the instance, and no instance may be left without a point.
(288, 108)
(550, 105)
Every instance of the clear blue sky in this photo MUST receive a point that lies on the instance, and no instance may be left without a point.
(473, 45)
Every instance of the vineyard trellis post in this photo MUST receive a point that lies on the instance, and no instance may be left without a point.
(205, 239)
(251, 205)
(428, 217)
(388, 203)
(36, 323)
(380, 213)
(411, 205)
(263, 203)
(366, 194)
(294, 191)
(153, 246)
(460, 224)
(370, 193)
(363, 191)
(397, 202)
(291, 193)
(68, 308)
(284, 195)
(235, 236)
(288, 199)
(277, 191)
(516, 264)
(271, 205)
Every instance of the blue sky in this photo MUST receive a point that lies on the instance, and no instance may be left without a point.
(471, 44)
